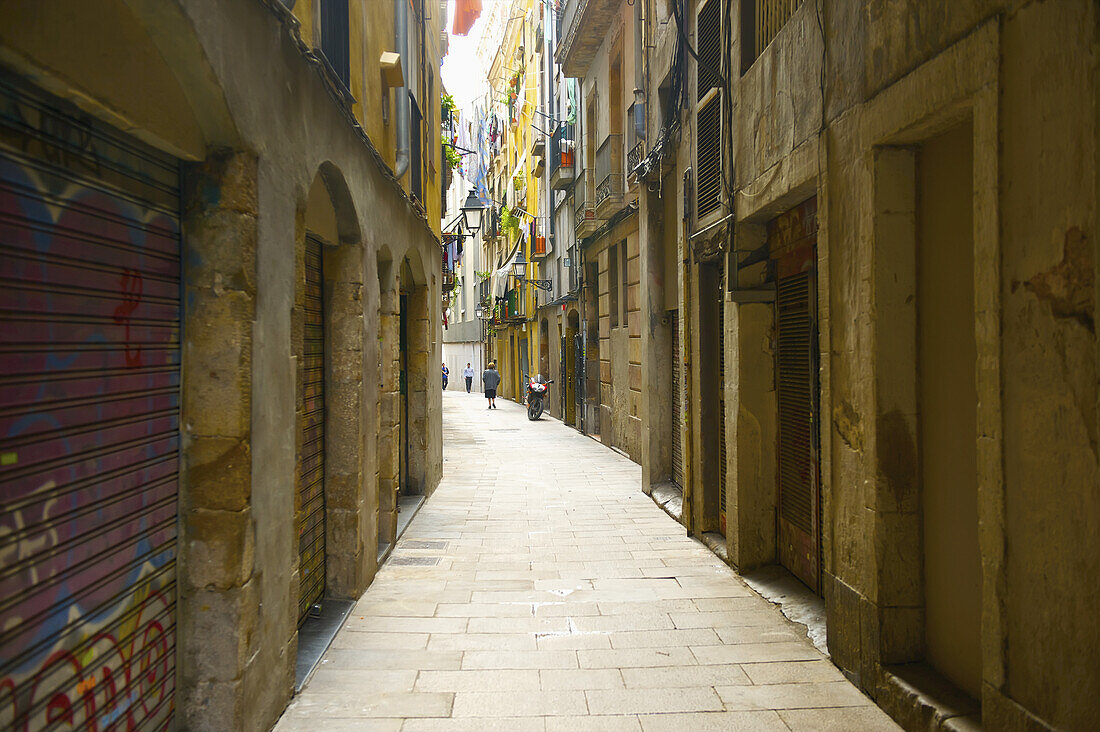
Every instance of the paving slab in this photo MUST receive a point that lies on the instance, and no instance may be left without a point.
(539, 589)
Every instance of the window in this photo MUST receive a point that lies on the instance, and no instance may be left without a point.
(334, 38)
(708, 110)
(761, 21)
(623, 284)
(416, 152)
(613, 284)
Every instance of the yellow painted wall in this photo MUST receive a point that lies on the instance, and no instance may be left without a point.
(370, 26)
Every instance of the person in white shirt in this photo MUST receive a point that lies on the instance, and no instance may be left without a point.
(468, 373)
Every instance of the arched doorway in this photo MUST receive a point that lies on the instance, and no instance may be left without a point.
(571, 366)
(329, 441)
(544, 348)
(406, 375)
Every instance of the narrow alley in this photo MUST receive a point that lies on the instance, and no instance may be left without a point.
(539, 588)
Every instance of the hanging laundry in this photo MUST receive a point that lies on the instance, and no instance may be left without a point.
(466, 14)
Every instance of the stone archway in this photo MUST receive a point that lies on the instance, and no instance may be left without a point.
(406, 374)
(331, 511)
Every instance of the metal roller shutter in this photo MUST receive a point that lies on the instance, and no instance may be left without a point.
(677, 402)
(799, 510)
(311, 482)
(721, 404)
(89, 404)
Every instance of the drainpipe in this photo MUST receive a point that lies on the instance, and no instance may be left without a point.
(401, 96)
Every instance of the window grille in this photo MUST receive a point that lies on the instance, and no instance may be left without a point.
(762, 21)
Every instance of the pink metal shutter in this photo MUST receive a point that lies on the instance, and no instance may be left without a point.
(89, 402)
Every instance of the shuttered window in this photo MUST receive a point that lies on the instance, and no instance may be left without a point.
(761, 21)
(89, 403)
(708, 114)
(799, 501)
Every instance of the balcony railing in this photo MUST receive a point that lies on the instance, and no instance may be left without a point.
(634, 157)
(582, 27)
(514, 306)
(584, 207)
(562, 156)
(609, 173)
(573, 265)
(635, 140)
(448, 279)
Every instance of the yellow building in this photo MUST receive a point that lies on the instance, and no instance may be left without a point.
(362, 57)
(514, 80)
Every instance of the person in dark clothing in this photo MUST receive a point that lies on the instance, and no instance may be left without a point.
(446, 373)
(490, 379)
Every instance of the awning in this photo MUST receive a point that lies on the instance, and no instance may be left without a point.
(466, 14)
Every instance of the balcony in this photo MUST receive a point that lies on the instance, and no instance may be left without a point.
(635, 141)
(609, 173)
(448, 274)
(585, 222)
(562, 154)
(514, 307)
(635, 156)
(536, 234)
(573, 267)
(583, 25)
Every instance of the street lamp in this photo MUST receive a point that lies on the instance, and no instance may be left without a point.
(472, 212)
(519, 270)
(479, 311)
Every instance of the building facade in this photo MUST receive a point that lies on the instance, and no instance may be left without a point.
(222, 272)
(516, 236)
(463, 329)
(864, 249)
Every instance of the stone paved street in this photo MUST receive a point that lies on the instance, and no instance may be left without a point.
(540, 589)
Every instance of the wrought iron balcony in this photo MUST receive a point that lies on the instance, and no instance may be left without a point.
(609, 173)
(634, 157)
(584, 207)
(583, 26)
(563, 148)
(514, 307)
(573, 265)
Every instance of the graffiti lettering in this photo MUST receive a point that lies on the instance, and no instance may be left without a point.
(130, 285)
(60, 139)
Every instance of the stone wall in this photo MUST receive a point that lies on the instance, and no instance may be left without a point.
(234, 91)
(839, 106)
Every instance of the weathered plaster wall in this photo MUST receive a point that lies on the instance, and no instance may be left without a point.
(370, 24)
(620, 345)
(882, 78)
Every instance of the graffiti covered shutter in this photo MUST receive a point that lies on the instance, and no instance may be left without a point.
(89, 402)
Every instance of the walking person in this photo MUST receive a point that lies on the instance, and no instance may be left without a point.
(490, 379)
(446, 373)
(468, 374)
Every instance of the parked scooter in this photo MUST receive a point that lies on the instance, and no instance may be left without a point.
(537, 391)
